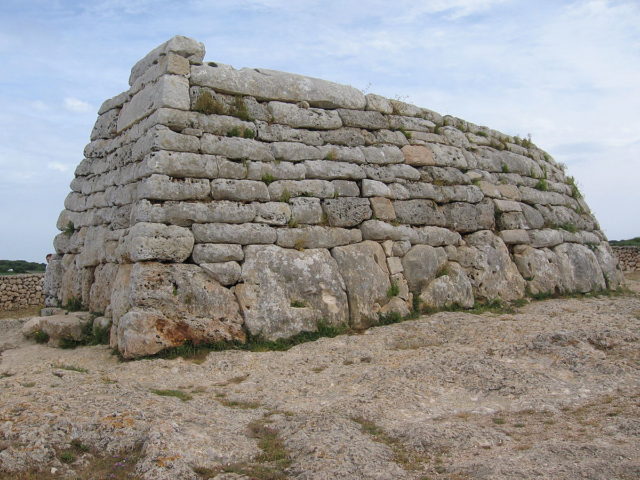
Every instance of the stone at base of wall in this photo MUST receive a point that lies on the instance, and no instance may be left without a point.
(628, 258)
(21, 291)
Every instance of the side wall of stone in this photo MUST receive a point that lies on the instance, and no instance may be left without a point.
(628, 258)
(21, 291)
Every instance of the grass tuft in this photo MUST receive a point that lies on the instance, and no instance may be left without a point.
(184, 396)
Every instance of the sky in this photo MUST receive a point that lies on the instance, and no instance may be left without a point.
(565, 72)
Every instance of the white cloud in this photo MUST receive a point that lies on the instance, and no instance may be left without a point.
(76, 105)
(59, 167)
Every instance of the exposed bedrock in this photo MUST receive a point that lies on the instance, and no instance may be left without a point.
(215, 204)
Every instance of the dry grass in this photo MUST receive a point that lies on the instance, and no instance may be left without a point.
(21, 313)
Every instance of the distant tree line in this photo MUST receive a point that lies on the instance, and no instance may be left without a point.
(632, 242)
(20, 266)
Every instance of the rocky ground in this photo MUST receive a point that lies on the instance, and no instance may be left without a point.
(550, 391)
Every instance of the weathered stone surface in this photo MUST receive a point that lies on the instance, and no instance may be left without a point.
(281, 189)
(382, 155)
(370, 119)
(421, 265)
(435, 236)
(451, 288)
(515, 236)
(378, 104)
(347, 212)
(239, 190)
(378, 230)
(273, 213)
(297, 117)
(217, 252)
(295, 152)
(236, 148)
(373, 188)
(59, 328)
(225, 273)
(539, 268)
(317, 237)
(180, 165)
(277, 171)
(306, 210)
(465, 217)
(418, 155)
(165, 305)
(273, 85)
(284, 291)
(186, 213)
(609, 265)
(364, 270)
(489, 267)
(345, 188)
(100, 293)
(329, 170)
(244, 234)
(382, 208)
(545, 238)
(579, 268)
(155, 241)
(419, 212)
(162, 187)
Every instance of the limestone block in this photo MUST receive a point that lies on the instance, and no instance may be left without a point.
(419, 212)
(93, 251)
(239, 190)
(515, 236)
(217, 252)
(277, 171)
(243, 234)
(399, 249)
(345, 188)
(59, 327)
(509, 191)
(162, 187)
(512, 221)
(421, 264)
(347, 212)
(394, 264)
(382, 208)
(579, 268)
(545, 238)
(406, 109)
(106, 125)
(465, 217)
(534, 196)
(306, 210)
(266, 84)
(451, 288)
(507, 206)
(347, 136)
(391, 173)
(155, 241)
(382, 155)
(170, 63)
(169, 304)
(329, 170)
(422, 190)
(378, 230)
(398, 122)
(281, 189)
(342, 154)
(170, 91)
(460, 193)
(317, 237)
(236, 148)
(364, 270)
(100, 294)
(378, 104)
(489, 189)
(489, 267)
(225, 273)
(539, 268)
(179, 165)
(314, 118)
(232, 169)
(609, 266)
(285, 292)
(435, 236)
(53, 277)
(186, 213)
(179, 45)
(373, 188)
(273, 213)
(283, 133)
(219, 124)
(295, 152)
(114, 102)
(455, 137)
(369, 119)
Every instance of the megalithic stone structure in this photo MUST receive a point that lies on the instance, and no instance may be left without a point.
(213, 203)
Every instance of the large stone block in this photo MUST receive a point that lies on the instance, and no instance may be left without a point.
(217, 252)
(329, 170)
(539, 268)
(156, 241)
(317, 237)
(285, 292)
(243, 234)
(185, 214)
(239, 190)
(162, 187)
(297, 117)
(157, 306)
(347, 212)
(282, 189)
(273, 85)
(363, 267)
(579, 268)
(421, 265)
(451, 288)
(236, 148)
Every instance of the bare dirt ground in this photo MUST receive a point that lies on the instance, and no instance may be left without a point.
(550, 392)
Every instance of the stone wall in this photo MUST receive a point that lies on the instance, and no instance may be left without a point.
(213, 203)
(21, 291)
(629, 258)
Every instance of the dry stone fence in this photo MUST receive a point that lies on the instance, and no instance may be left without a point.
(213, 203)
(628, 257)
(21, 291)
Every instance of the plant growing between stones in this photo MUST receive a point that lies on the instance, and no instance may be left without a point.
(268, 178)
(542, 185)
(205, 103)
(240, 109)
(406, 133)
(184, 396)
(40, 336)
(69, 229)
(393, 290)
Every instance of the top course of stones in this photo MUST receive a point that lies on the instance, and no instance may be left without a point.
(213, 203)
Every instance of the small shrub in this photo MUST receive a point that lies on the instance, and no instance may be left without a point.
(74, 305)
(569, 227)
(285, 196)
(234, 132)
(205, 103)
(69, 229)
(499, 421)
(184, 396)
(575, 191)
(437, 128)
(248, 133)
(267, 178)
(79, 446)
(505, 168)
(69, 343)
(442, 272)
(332, 155)
(393, 290)
(542, 185)
(240, 109)
(40, 336)
(67, 457)
(298, 304)
(100, 336)
(481, 134)
(405, 133)
(300, 244)
(292, 223)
